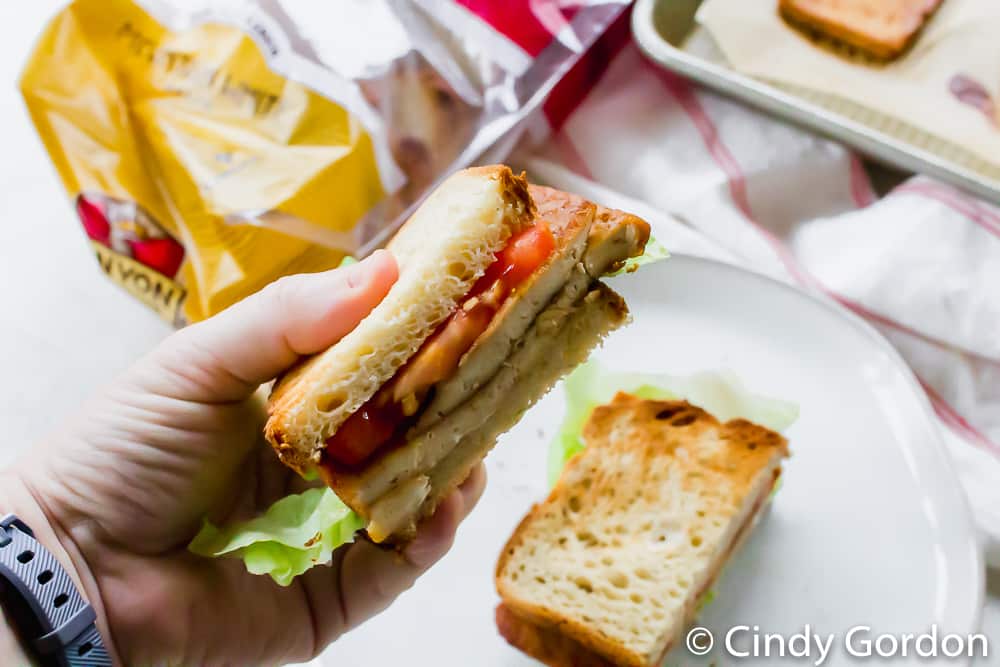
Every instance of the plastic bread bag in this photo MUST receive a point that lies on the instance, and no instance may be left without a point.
(209, 148)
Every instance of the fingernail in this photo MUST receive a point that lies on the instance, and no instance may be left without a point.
(472, 490)
(357, 274)
(360, 273)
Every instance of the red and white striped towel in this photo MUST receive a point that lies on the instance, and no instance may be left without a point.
(922, 264)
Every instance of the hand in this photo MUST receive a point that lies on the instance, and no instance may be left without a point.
(124, 488)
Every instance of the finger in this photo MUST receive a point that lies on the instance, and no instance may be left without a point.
(373, 577)
(436, 535)
(226, 357)
(370, 577)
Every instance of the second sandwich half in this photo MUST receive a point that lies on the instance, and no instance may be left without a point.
(497, 298)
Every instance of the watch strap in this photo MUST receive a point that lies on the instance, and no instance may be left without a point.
(69, 635)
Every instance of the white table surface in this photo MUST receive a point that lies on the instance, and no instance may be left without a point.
(64, 328)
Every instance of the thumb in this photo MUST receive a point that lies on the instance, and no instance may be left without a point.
(226, 357)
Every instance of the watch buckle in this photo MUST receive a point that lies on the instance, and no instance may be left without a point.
(11, 521)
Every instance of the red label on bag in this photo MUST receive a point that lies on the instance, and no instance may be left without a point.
(531, 24)
(134, 250)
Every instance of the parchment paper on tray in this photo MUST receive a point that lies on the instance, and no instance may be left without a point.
(943, 95)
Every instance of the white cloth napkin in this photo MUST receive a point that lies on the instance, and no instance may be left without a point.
(718, 179)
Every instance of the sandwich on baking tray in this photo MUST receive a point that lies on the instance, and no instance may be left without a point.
(613, 565)
(497, 298)
(879, 29)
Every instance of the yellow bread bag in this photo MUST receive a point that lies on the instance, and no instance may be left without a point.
(209, 148)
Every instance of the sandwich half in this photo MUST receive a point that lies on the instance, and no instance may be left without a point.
(497, 298)
(880, 29)
(611, 567)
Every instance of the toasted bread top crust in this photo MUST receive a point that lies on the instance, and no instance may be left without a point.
(652, 429)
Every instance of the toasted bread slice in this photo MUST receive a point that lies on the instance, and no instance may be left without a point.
(610, 568)
(442, 250)
(881, 29)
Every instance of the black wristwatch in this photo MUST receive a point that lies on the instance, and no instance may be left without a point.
(48, 613)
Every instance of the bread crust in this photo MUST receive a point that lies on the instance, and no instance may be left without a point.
(513, 188)
(545, 644)
(881, 29)
(749, 452)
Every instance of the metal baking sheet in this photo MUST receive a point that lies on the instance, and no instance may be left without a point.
(667, 32)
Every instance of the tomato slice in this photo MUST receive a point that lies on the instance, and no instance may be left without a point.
(523, 254)
(526, 252)
(384, 415)
(438, 357)
(363, 432)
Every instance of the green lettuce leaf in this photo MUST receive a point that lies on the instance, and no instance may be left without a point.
(293, 535)
(654, 252)
(706, 599)
(720, 393)
(347, 261)
(777, 487)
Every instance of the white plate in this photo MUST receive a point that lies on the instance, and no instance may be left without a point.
(869, 528)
